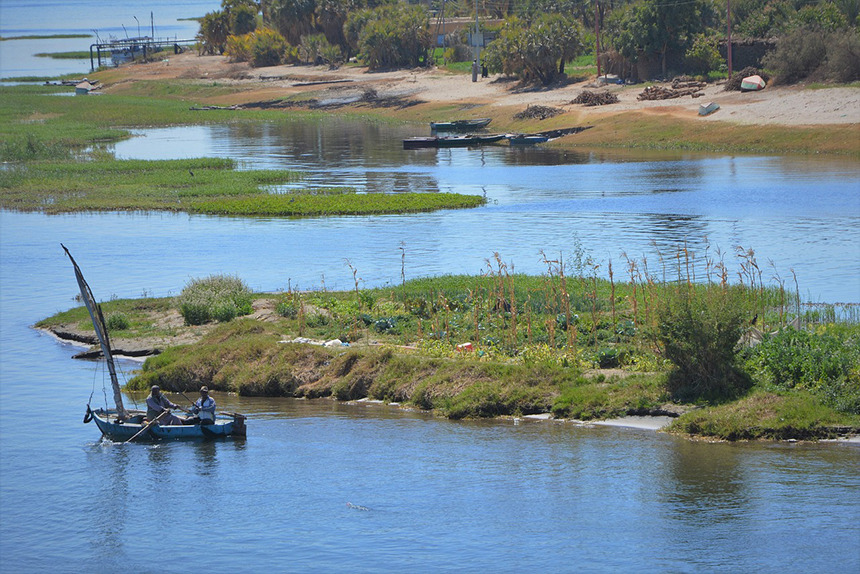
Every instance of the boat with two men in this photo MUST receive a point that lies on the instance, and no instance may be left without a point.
(125, 425)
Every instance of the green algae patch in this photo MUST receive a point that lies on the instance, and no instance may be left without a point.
(202, 186)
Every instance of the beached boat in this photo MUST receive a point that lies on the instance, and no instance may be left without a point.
(460, 125)
(527, 139)
(752, 83)
(120, 424)
(708, 109)
(451, 141)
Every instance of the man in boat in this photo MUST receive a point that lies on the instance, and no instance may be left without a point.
(203, 409)
(156, 403)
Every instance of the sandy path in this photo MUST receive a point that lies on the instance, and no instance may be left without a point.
(793, 105)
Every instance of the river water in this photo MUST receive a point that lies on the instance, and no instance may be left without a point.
(333, 487)
(327, 487)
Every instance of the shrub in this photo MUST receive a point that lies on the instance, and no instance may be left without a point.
(703, 56)
(824, 362)
(269, 48)
(219, 297)
(699, 331)
(287, 309)
(243, 19)
(843, 56)
(797, 55)
(239, 48)
(118, 322)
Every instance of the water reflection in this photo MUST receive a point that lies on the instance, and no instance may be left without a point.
(801, 213)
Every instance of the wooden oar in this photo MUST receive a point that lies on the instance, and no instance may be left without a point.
(146, 428)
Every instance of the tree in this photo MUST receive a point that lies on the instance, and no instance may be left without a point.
(213, 33)
(656, 29)
(390, 36)
(536, 52)
(243, 19)
(292, 18)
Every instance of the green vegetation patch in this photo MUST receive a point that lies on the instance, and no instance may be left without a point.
(128, 185)
(501, 344)
(304, 204)
(44, 37)
(205, 186)
(75, 55)
(125, 318)
(766, 415)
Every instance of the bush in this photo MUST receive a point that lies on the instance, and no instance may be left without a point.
(287, 309)
(243, 19)
(118, 322)
(239, 48)
(217, 297)
(843, 56)
(703, 56)
(269, 48)
(797, 55)
(699, 332)
(824, 362)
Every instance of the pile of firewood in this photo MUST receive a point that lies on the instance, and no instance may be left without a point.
(537, 113)
(678, 89)
(595, 98)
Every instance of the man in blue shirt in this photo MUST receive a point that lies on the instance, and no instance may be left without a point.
(203, 409)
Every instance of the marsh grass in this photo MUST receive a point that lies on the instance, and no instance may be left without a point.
(768, 415)
(500, 343)
(210, 186)
(137, 318)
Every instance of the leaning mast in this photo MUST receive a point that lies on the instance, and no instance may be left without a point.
(101, 332)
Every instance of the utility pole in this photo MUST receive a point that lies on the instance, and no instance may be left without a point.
(477, 48)
(597, 37)
(729, 44)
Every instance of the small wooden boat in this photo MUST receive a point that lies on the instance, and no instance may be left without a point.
(460, 125)
(120, 424)
(451, 141)
(709, 108)
(527, 139)
(121, 430)
(752, 83)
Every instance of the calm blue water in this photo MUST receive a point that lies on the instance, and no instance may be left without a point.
(103, 20)
(441, 495)
(798, 213)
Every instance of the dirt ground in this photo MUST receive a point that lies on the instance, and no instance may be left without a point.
(789, 105)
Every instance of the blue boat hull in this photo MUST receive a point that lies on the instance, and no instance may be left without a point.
(121, 432)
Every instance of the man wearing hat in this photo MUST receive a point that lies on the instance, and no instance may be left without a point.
(203, 409)
(156, 403)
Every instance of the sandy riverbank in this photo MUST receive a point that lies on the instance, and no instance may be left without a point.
(775, 105)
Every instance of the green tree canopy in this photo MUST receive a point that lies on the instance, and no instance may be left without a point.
(390, 36)
(536, 52)
(657, 29)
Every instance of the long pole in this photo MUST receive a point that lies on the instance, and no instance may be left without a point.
(729, 45)
(597, 38)
(146, 428)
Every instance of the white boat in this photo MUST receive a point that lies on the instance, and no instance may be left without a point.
(752, 83)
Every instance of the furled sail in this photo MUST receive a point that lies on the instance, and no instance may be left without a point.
(101, 332)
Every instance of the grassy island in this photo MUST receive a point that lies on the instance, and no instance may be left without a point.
(503, 344)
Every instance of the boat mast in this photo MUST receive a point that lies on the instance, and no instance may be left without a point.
(101, 332)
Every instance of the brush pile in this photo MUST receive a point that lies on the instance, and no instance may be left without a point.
(680, 87)
(537, 113)
(595, 98)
